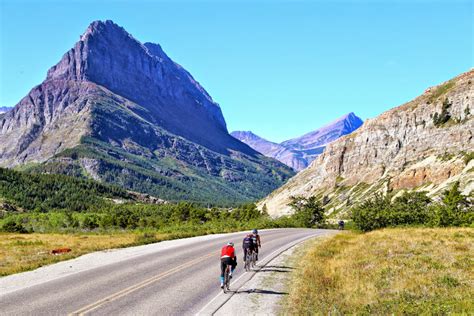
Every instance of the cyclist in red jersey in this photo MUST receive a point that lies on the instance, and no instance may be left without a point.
(227, 258)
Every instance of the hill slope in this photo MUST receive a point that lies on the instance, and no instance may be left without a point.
(21, 191)
(123, 112)
(424, 144)
(299, 152)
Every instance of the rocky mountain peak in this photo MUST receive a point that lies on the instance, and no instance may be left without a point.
(245, 135)
(322, 136)
(109, 56)
(106, 26)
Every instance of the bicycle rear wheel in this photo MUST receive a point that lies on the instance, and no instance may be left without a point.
(225, 288)
(247, 262)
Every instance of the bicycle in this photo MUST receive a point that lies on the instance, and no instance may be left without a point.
(226, 286)
(254, 259)
(248, 260)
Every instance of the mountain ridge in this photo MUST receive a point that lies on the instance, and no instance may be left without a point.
(299, 152)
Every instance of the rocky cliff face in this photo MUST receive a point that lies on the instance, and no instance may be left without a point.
(123, 112)
(299, 152)
(422, 145)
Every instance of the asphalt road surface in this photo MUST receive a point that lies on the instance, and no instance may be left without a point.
(177, 280)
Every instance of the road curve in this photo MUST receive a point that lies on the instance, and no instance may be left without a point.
(180, 279)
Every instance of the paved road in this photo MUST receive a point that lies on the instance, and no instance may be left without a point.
(177, 280)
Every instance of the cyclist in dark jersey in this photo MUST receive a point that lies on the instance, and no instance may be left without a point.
(256, 241)
(248, 245)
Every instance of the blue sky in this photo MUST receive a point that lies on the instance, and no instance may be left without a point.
(278, 68)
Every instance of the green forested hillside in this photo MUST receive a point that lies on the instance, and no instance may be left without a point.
(198, 176)
(58, 203)
(46, 192)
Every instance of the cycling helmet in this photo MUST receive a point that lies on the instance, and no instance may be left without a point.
(230, 243)
(254, 231)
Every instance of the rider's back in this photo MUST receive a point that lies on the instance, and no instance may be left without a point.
(248, 242)
(227, 252)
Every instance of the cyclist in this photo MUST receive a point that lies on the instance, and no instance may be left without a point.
(227, 258)
(256, 241)
(248, 245)
(341, 225)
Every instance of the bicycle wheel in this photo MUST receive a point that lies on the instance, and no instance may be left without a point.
(226, 280)
(227, 284)
(254, 259)
(247, 262)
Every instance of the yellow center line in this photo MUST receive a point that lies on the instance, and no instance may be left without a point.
(138, 286)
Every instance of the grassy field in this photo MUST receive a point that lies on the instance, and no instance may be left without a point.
(22, 252)
(392, 271)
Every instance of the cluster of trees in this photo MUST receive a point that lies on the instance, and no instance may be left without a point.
(45, 192)
(415, 208)
(132, 216)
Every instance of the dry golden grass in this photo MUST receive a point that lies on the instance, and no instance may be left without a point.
(21, 252)
(391, 271)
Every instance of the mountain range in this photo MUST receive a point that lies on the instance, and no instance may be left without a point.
(426, 144)
(119, 111)
(4, 109)
(299, 152)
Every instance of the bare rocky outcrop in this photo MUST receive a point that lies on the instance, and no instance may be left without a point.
(408, 147)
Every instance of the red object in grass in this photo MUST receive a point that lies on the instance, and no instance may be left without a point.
(59, 251)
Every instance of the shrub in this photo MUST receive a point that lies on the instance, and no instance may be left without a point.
(308, 211)
(414, 208)
(13, 225)
(444, 116)
(371, 214)
(454, 209)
